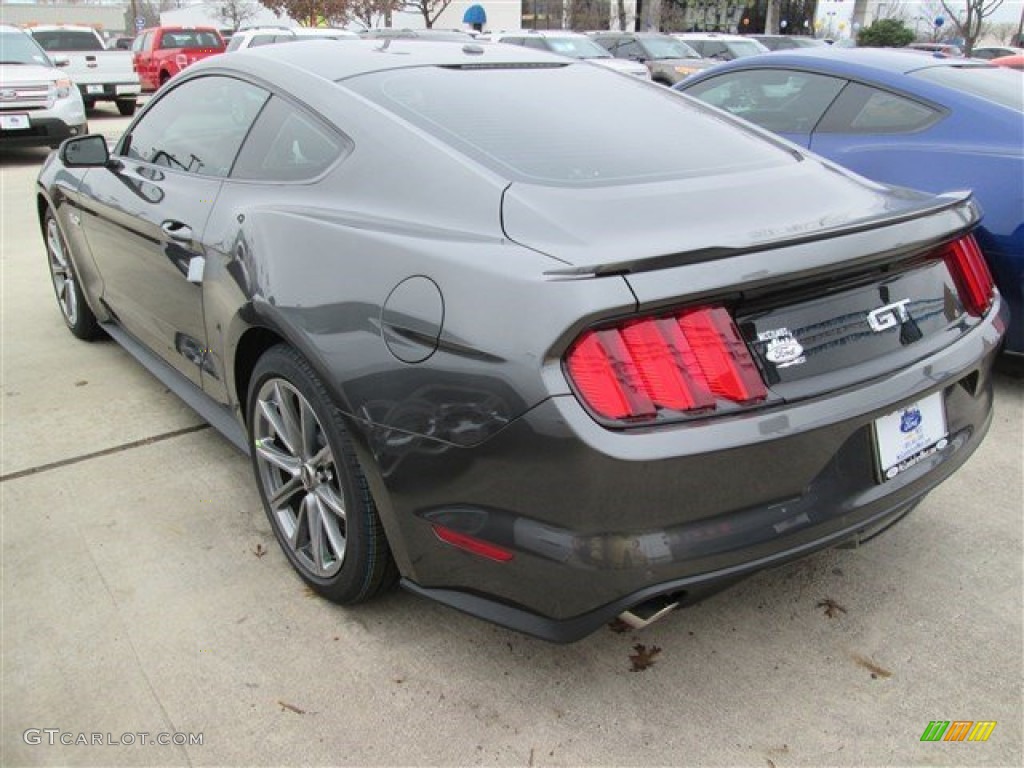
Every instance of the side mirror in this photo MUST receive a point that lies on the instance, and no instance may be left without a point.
(89, 151)
(61, 60)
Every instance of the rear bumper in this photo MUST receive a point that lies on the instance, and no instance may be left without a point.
(598, 520)
(109, 91)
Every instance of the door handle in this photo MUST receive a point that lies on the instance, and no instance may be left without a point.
(177, 230)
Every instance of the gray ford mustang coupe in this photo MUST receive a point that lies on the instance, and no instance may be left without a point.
(548, 344)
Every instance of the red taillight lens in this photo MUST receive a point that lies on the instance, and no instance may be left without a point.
(970, 272)
(687, 361)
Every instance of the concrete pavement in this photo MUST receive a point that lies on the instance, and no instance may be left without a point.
(143, 593)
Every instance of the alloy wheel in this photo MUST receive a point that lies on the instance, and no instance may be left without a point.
(61, 274)
(300, 478)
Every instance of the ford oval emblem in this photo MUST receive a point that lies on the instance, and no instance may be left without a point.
(910, 420)
(783, 351)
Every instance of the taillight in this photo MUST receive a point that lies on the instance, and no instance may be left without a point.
(970, 273)
(181, 60)
(689, 361)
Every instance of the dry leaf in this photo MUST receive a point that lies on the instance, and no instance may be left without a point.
(291, 708)
(644, 656)
(259, 550)
(832, 608)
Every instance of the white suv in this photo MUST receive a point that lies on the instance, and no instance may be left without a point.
(571, 44)
(712, 45)
(254, 36)
(39, 105)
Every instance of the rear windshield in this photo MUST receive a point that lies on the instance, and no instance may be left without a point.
(553, 124)
(998, 84)
(67, 40)
(190, 38)
(668, 48)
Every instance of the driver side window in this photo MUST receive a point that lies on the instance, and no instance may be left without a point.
(198, 127)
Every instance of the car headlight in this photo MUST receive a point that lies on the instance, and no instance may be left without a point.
(685, 70)
(62, 87)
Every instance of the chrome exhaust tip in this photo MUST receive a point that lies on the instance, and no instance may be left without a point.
(650, 611)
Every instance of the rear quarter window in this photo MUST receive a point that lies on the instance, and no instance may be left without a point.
(864, 109)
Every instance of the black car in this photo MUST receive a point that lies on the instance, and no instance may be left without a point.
(473, 341)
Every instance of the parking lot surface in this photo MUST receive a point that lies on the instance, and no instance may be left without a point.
(143, 593)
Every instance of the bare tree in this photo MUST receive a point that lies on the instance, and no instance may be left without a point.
(969, 21)
(233, 13)
(1004, 31)
(373, 13)
(430, 10)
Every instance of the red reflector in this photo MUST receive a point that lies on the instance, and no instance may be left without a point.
(680, 362)
(970, 272)
(472, 544)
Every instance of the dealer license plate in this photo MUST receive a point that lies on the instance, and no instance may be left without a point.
(94, 89)
(910, 435)
(14, 122)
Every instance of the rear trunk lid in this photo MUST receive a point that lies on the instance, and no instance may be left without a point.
(829, 279)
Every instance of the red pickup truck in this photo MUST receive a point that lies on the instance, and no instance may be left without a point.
(159, 53)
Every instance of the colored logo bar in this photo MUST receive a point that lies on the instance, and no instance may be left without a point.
(958, 730)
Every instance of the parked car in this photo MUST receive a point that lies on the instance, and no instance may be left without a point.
(990, 52)
(162, 52)
(720, 47)
(470, 337)
(787, 42)
(574, 45)
(436, 35)
(1013, 62)
(944, 49)
(39, 105)
(668, 60)
(916, 121)
(100, 74)
(256, 36)
(122, 43)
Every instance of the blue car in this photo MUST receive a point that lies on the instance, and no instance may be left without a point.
(903, 118)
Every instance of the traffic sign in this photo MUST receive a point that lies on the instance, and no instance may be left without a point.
(140, 23)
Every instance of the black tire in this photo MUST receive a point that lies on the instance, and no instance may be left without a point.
(126, 107)
(89, 104)
(77, 315)
(343, 556)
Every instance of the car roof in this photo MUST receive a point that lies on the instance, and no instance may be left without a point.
(712, 36)
(333, 62)
(885, 60)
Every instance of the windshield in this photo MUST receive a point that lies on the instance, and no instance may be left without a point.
(19, 48)
(668, 48)
(741, 48)
(998, 84)
(577, 48)
(67, 40)
(549, 124)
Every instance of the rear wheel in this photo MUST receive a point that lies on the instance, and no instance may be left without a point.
(77, 315)
(126, 107)
(312, 487)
